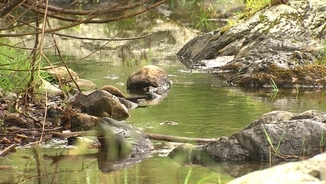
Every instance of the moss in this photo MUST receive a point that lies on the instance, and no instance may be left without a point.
(262, 18)
(304, 76)
(225, 29)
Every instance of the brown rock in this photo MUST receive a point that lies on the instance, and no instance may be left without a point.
(148, 76)
(61, 73)
(113, 90)
(83, 122)
(102, 104)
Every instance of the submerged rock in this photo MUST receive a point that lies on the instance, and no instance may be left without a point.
(120, 140)
(279, 42)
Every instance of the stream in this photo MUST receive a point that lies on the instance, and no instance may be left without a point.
(202, 105)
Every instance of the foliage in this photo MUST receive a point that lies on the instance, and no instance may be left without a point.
(14, 67)
(252, 6)
(33, 20)
(199, 13)
(305, 153)
(274, 150)
(274, 86)
(321, 59)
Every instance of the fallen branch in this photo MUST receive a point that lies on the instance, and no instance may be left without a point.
(159, 137)
(7, 150)
(103, 39)
(170, 138)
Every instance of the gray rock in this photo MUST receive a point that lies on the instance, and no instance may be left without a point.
(283, 135)
(282, 36)
(275, 136)
(122, 140)
(227, 149)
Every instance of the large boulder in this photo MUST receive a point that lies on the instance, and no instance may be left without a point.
(148, 78)
(274, 137)
(277, 135)
(279, 42)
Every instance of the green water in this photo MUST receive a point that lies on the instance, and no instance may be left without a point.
(202, 104)
(31, 166)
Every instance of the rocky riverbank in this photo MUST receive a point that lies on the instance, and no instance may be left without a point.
(283, 43)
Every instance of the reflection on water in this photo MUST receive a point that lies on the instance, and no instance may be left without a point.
(35, 166)
(202, 105)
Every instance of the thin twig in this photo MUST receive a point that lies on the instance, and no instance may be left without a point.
(103, 39)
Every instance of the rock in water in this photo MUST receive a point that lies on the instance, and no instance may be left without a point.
(278, 135)
(122, 140)
(113, 90)
(147, 77)
(102, 104)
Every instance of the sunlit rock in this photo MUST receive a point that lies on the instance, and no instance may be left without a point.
(102, 104)
(68, 77)
(47, 89)
(278, 42)
(62, 73)
(113, 90)
(148, 78)
(308, 171)
(84, 84)
(283, 135)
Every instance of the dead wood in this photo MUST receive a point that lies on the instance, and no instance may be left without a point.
(7, 150)
(170, 138)
(159, 137)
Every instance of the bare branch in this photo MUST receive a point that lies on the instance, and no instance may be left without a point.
(10, 7)
(103, 39)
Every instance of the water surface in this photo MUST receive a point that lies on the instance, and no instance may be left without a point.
(202, 105)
